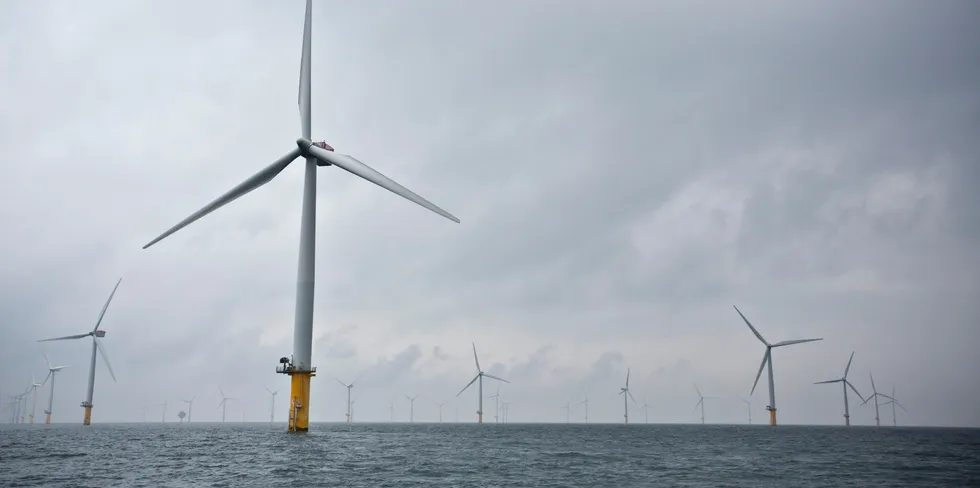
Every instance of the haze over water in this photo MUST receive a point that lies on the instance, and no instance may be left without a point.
(531, 455)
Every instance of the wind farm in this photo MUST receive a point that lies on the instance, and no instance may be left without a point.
(618, 177)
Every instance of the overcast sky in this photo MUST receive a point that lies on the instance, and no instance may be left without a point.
(625, 172)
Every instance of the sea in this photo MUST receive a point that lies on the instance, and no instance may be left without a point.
(490, 455)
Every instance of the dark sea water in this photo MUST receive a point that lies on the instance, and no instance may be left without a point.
(531, 455)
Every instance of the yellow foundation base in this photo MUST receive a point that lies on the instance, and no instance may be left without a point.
(847, 420)
(32, 420)
(299, 402)
(47, 419)
(479, 417)
(87, 420)
(772, 417)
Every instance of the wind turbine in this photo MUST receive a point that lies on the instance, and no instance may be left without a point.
(875, 395)
(33, 390)
(749, 405)
(479, 376)
(351, 385)
(190, 407)
(844, 384)
(272, 406)
(894, 402)
(568, 411)
(646, 411)
(144, 413)
(411, 416)
(701, 399)
(96, 334)
(767, 359)
(505, 407)
(352, 408)
(299, 366)
(223, 404)
(625, 391)
(163, 415)
(586, 402)
(440, 409)
(496, 405)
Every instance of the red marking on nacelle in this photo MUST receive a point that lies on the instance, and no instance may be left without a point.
(323, 145)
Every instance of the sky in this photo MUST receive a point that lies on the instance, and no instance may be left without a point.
(625, 172)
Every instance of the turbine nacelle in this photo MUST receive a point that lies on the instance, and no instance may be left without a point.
(99, 333)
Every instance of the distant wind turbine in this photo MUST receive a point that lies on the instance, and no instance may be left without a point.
(496, 405)
(190, 407)
(749, 405)
(223, 404)
(351, 385)
(411, 414)
(505, 407)
(97, 345)
(568, 411)
(440, 409)
(646, 411)
(272, 405)
(875, 394)
(767, 359)
(479, 376)
(299, 364)
(701, 399)
(844, 384)
(163, 415)
(33, 389)
(625, 391)
(586, 402)
(894, 402)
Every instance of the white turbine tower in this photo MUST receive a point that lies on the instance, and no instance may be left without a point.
(190, 407)
(646, 411)
(479, 376)
(767, 359)
(299, 366)
(894, 402)
(223, 404)
(440, 409)
(163, 414)
(33, 390)
(625, 391)
(568, 411)
(701, 399)
(586, 402)
(748, 404)
(97, 345)
(844, 384)
(411, 415)
(496, 405)
(351, 385)
(875, 394)
(272, 405)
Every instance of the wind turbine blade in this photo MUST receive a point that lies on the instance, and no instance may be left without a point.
(468, 385)
(848, 368)
(496, 378)
(106, 306)
(99, 346)
(627, 378)
(77, 336)
(476, 359)
(798, 341)
(868, 399)
(884, 395)
(258, 179)
(900, 405)
(757, 334)
(46, 378)
(848, 383)
(698, 404)
(765, 358)
(267, 389)
(828, 381)
(631, 396)
(357, 168)
(222, 402)
(46, 360)
(341, 382)
(697, 390)
(873, 389)
(304, 72)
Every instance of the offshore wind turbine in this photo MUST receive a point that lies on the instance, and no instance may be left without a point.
(440, 409)
(767, 359)
(844, 384)
(568, 411)
(894, 402)
(496, 405)
(190, 407)
(875, 395)
(586, 402)
(646, 411)
(351, 385)
(479, 376)
(272, 405)
(749, 405)
(34, 386)
(97, 345)
(299, 365)
(411, 415)
(223, 404)
(505, 407)
(163, 414)
(625, 391)
(701, 399)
